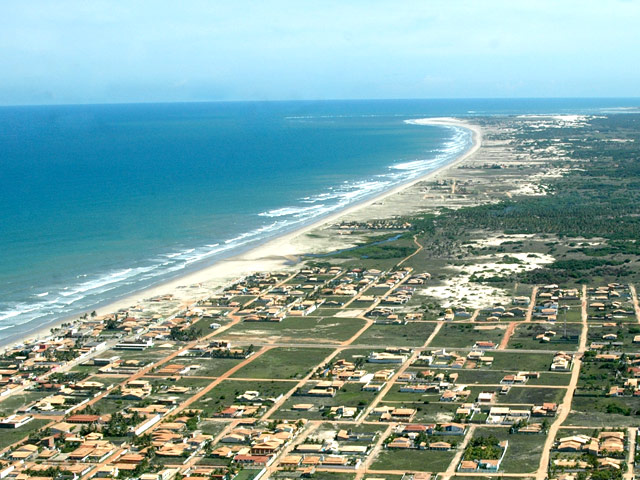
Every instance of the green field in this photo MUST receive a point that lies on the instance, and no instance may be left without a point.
(523, 453)
(13, 435)
(224, 394)
(350, 395)
(603, 411)
(464, 335)
(514, 362)
(413, 460)
(283, 363)
(13, 403)
(413, 334)
(297, 330)
(534, 395)
(524, 336)
(208, 367)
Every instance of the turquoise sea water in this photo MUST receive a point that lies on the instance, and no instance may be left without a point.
(99, 201)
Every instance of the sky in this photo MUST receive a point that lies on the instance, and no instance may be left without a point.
(78, 51)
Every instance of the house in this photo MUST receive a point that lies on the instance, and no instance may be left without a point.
(616, 392)
(547, 409)
(24, 452)
(401, 443)
(15, 421)
(486, 397)
(138, 344)
(489, 465)
(252, 461)
(485, 345)
(448, 396)
(531, 428)
(453, 428)
(386, 357)
(83, 419)
(511, 379)
(468, 466)
(561, 362)
(269, 447)
(441, 446)
(310, 448)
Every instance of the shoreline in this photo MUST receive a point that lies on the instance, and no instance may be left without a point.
(278, 253)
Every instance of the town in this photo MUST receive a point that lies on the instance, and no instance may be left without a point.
(328, 369)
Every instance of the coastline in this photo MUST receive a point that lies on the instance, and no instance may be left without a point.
(280, 253)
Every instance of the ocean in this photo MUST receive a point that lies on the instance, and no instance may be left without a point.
(100, 201)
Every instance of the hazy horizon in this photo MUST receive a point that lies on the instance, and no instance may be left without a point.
(72, 52)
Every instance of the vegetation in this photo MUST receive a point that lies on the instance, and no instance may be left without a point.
(483, 448)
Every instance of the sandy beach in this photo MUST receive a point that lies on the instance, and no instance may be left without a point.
(281, 253)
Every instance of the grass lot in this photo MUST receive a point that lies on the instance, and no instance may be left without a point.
(326, 311)
(203, 324)
(469, 377)
(596, 377)
(507, 361)
(341, 299)
(10, 436)
(297, 329)
(413, 334)
(359, 355)
(413, 460)
(219, 462)
(377, 291)
(524, 336)
(395, 395)
(597, 316)
(283, 363)
(226, 392)
(86, 369)
(593, 411)
(209, 427)
(551, 378)
(461, 335)
(328, 430)
(523, 453)
(242, 299)
(426, 413)
(486, 477)
(145, 356)
(319, 475)
(361, 304)
(532, 395)
(111, 405)
(208, 367)
(13, 403)
(350, 395)
(160, 386)
(624, 332)
(246, 474)
(573, 315)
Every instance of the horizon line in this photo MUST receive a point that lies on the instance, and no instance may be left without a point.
(316, 100)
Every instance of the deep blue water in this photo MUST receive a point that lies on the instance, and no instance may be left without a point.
(98, 201)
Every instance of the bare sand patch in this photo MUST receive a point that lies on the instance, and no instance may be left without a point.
(350, 313)
(459, 290)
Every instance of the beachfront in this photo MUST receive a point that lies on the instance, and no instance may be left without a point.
(281, 253)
